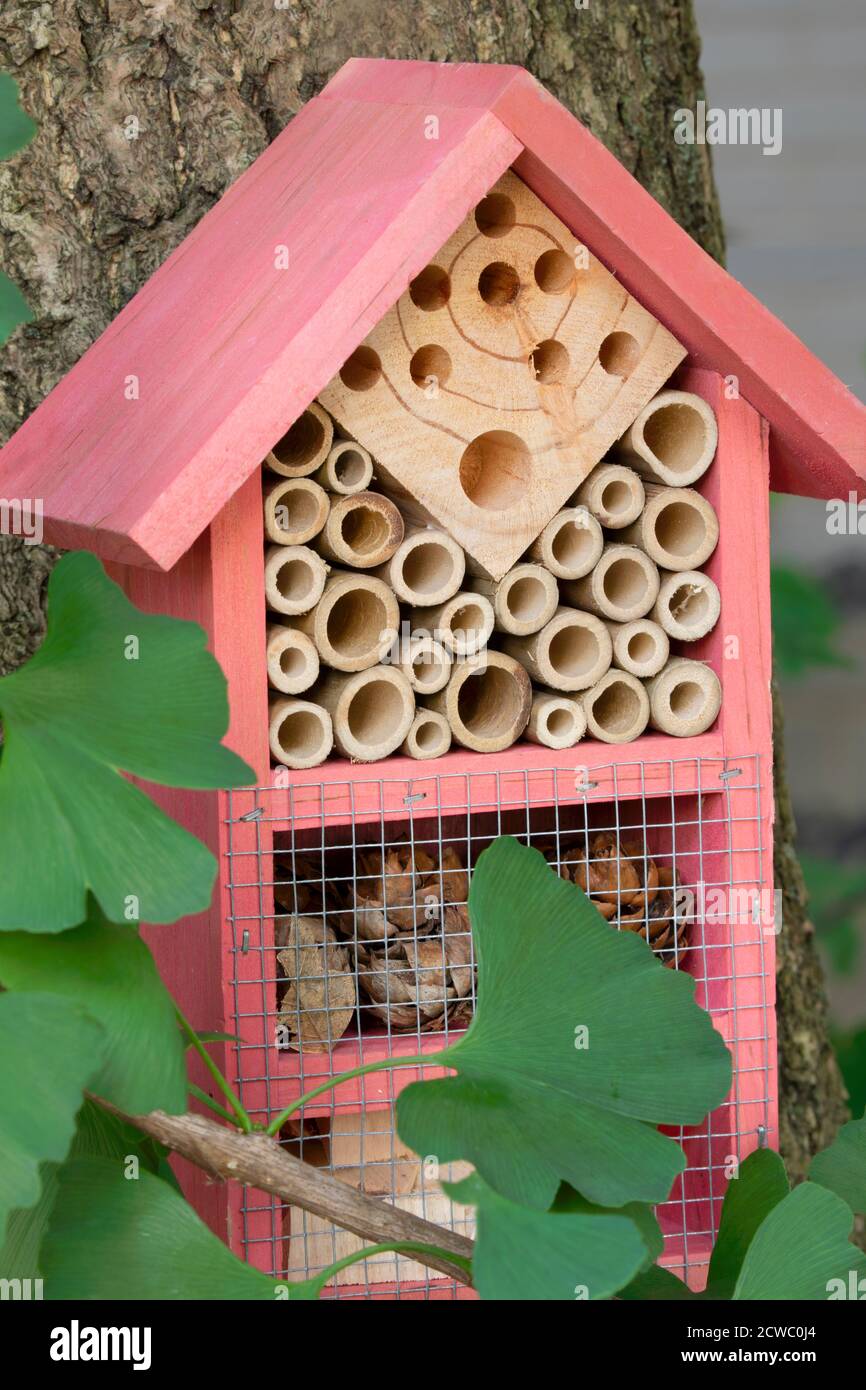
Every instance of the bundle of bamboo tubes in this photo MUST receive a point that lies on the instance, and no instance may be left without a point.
(383, 637)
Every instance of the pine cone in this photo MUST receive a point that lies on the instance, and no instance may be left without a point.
(629, 889)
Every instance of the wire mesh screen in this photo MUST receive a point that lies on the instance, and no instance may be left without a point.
(351, 942)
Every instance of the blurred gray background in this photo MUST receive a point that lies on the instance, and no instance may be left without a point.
(796, 227)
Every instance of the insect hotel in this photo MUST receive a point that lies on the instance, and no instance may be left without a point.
(460, 450)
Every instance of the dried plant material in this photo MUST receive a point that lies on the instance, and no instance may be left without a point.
(319, 1000)
(393, 894)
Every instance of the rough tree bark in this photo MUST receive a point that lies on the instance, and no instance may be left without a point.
(89, 212)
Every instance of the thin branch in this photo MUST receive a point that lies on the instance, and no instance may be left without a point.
(261, 1162)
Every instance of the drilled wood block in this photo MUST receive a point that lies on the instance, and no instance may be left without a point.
(500, 378)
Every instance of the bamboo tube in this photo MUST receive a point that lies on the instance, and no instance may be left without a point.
(555, 721)
(623, 586)
(427, 666)
(570, 544)
(305, 444)
(363, 531)
(300, 733)
(571, 652)
(486, 702)
(294, 578)
(641, 647)
(613, 494)
(429, 736)
(673, 440)
(347, 469)
(372, 711)
(355, 622)
(296, 509)
(427, 568)
(292, 660)
(688, 605)
(617, 708)
(678, 529)
(463, 625)
(523, 601)
(685, 698)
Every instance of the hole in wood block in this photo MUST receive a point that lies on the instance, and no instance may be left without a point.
(624, 582)
(430, 365)
(498, 283)
(495, 470)
(617, 708)
(428, 734)
(365, 530)
(297, 508)
(295, 580)
(489, 702)
(527, 599)
(495, 215)
(687, 700)
(350, 467)
(301, 442)
(680, 529)
(641, 647)
(573, 545)
(549, 361)
(560, 722)
(616, 498)
(356, 624)
(468, 624)
(619, 354)
(690, 605)
(676, 434)
(293, 662)
(301, 734)
(431, 289)
(362, 370)
(573, 651)
(555, 272)
(374, 711)
(428, 567)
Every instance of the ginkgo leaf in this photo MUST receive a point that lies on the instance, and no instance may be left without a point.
(801, 1251)
(760, 1185)
(110, 972)
(110, 690)
(49, 1052)
(581, 1044)
(842, 1166)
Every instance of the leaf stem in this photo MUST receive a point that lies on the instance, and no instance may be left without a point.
(399, 1247)
(240, 1113)
(209, 1101)
(427, 1059)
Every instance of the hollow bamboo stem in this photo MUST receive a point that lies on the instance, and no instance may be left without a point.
(571, 652)
(294, 578)
(486, 702)
(678, 529)
(617, 708)
(372, 711)
(463, 625)
(347, 469)
(305, 444)
(613, 494)
(570, 544)
(640, 647)
(688, 605)
(363, 531)
(555, 721)
(354, 624)
(685, 698)
(296, 509)
(673, 440)
(426, 569)
(300, 733)
(623, 586)
(523, 600)
(292, 660)
(429, 736)
(427, 664)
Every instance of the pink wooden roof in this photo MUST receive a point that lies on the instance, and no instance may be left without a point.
(140, 445)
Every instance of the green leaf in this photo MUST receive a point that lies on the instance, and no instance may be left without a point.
(110, 972)
(49, 1051)
(850, 1049)
(761, 1185)
(804, 623)
(801, 1250)
(109, 689)
(842, 1166)
(110, 1237)
(658, 1285)
(14, 309)
(16, 127)
(215, 1038)
(562, 1254)
(530, 1107)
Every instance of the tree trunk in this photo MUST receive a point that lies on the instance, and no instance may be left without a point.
(148, 109)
